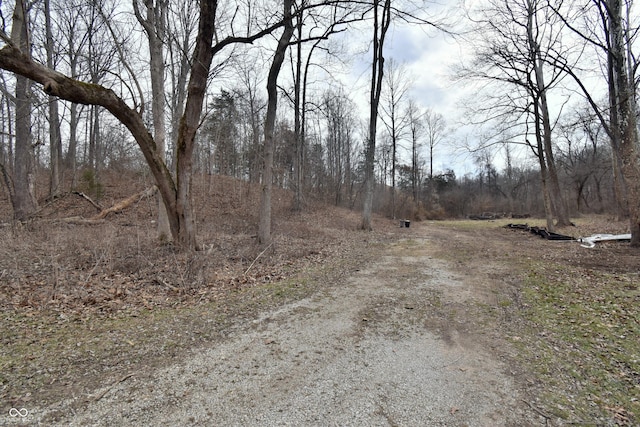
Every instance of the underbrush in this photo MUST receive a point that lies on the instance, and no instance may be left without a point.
(85, 304)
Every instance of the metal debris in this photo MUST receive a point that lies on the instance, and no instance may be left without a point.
(590, 242)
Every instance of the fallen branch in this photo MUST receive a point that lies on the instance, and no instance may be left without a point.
(124, 204)
(88, 199)
(78, 220)
(101, 395)
(259, 255)
(538, 411)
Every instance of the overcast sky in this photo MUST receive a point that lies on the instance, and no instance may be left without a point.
(428, 55)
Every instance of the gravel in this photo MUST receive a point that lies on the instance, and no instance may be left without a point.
(365, 353)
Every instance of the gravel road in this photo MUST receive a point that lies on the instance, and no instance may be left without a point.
(379, 349)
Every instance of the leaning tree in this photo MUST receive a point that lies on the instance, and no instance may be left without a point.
(175, 192)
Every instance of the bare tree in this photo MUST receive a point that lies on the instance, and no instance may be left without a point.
(340, 122)
(181, 26)
(55, 138)
(394, 94)
(435, 127)
(24, 202)
(252, 108)
(381, 23)
(264, 230)
(416, 131)
(516, 41)
(175, 193)
(155, 27)
(611, 33)
(584, 158)
(324, 23)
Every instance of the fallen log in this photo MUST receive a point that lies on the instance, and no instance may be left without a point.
(124, 204)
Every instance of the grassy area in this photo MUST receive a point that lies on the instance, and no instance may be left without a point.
(583, 342)
(573, 315)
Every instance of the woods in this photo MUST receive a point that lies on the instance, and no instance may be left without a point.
(258, 96)
(180, 176)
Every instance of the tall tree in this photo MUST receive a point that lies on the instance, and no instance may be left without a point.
(24, 174)
(435, 126)
(381, 23)
(252, 109)
(264, 229)
(535, 31)
(154, 22)
(55, 139)
(338, 108)
(175, 193)
(416, 130)
(394, 96)
(180, 31)
(516, 40)
(622, 95)
(329, 20)
(611, 33)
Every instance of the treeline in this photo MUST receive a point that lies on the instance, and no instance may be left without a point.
(178, 88)
(228, 144)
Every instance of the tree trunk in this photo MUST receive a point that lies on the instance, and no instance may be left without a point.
(71, 158)
(183, 228)
(624, 100)
(619, 184)
(264, 227)
(175, 193)
(154, 25)
(55, 142)
(548, 208)
(380, 27)
(24, 175)
(559, 203)
(297, 125)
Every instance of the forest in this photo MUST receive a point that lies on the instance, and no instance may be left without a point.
(200, 204)
(263, 93)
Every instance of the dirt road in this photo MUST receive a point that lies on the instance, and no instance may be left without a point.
(402, 342)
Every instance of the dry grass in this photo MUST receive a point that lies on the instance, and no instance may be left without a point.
(83, 304)
(571, 313)
(86, 304)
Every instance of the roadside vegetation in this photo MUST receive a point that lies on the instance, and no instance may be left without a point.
(572, 315)
(85, 305)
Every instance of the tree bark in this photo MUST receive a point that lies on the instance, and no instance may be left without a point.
(124, 204)
(544, 175)
(297, 125)
(264, 227)
(56, 84)
(55, 141)
(627, 124)
(154, 25)
(200, 65)
(24, 176)
(559, 203)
